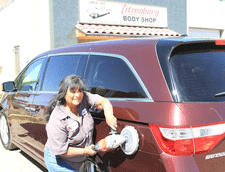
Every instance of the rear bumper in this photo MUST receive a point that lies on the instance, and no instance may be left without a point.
(179, 163)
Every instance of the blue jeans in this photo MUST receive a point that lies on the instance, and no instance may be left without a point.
(55, 163)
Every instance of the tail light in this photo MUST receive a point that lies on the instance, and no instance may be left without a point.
(188, 140)
(220, 42)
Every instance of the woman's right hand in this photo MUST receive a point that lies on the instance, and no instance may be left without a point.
(89, 150)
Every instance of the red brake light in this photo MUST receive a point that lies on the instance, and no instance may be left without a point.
(205, 144)
(220, 42)
(188, 140)
(171, 146)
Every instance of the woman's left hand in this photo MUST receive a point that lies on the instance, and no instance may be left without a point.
(112, 122)
(105, 104)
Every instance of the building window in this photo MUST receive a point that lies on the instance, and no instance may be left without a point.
(204, 33)
(17, 59)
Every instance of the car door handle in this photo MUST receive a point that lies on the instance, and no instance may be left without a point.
(96, 111)
(32, 110)
(27, 108)
(97, 114)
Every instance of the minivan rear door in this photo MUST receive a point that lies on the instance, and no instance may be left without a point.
(198, 75)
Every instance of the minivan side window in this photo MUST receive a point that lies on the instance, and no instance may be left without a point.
(61, 66)
(111, 77)
(28, 79)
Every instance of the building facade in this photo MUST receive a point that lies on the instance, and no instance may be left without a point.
(24, 32)
(205, 18)
(29, 27)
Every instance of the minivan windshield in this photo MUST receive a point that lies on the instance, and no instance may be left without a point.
(199, 75)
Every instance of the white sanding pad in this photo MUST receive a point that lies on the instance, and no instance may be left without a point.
(132, 140)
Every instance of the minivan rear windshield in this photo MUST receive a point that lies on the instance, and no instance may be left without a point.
(199, 74)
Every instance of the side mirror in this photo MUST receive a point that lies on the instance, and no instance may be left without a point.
(8, 86)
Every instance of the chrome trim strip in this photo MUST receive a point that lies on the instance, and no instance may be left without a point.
(130, 99)
(109, 98)
(69, 53)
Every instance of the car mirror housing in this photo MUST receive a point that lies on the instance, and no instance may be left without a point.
(8, 86)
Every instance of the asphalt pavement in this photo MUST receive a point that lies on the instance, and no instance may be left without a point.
(18, 161)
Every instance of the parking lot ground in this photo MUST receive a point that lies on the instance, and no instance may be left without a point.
(17, 160)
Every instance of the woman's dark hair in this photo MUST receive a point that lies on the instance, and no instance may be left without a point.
(69, 82)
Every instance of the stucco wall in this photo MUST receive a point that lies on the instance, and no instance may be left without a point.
(208, 14)
(65, 17)
(24, 23)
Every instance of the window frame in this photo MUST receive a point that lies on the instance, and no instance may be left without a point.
(18, 78)
(46, 66)
(148, 99)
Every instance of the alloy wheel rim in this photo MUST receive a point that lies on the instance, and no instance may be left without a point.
(4, 130)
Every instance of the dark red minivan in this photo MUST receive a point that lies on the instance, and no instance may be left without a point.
(171, 91)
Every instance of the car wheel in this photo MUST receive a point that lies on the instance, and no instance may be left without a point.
(93, 164)
(6, 138)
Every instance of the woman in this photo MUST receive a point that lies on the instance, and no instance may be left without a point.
(70, 125)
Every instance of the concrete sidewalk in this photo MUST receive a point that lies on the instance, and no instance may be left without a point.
(17, 160)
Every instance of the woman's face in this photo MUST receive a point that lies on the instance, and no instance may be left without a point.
(74, 96)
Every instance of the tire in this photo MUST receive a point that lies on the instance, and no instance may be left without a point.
(93, 164)
(6, 137)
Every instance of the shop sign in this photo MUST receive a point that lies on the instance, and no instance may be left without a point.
(114, 13)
